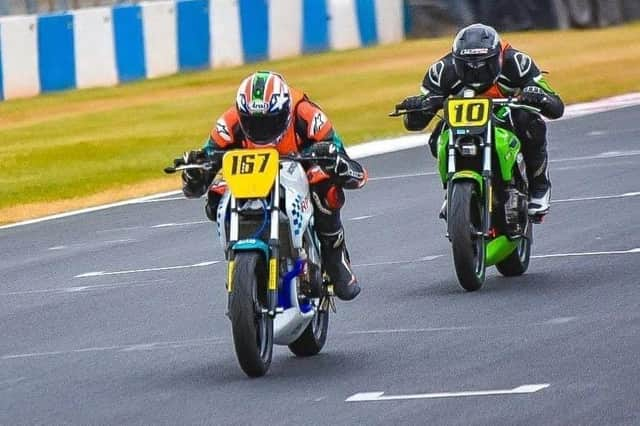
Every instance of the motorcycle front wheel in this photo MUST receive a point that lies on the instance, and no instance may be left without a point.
(251, 328)
(464, 216)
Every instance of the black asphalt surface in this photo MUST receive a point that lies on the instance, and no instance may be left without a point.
(153, 346)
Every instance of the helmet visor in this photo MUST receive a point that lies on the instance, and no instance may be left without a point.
(478, 72)
(264, 129)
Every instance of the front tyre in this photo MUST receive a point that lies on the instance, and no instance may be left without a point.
(518, 262)
(313, 337)
(252, 329)
(465, 227)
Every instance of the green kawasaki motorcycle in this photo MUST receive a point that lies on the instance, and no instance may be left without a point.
(483, 171)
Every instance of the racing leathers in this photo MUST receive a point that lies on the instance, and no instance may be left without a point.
(309, 131)
(519, 77)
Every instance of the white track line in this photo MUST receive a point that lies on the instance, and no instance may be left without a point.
(121, 348)
(398, 262)
(360, 265)
(599, 156)
(379, 396)
(168, 225)
(374, 148)
(134, 271)
(553, 321)
(600, 197)
(590, 253)
(78, 289)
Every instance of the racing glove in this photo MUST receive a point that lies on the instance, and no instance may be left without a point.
(344, 171)
(550, 104)
(421, 109)
(194, 181)
(534, 96)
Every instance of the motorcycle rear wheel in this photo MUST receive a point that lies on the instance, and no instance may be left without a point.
(465, 222)
(252, 330)
(313, 338)
(518, 262)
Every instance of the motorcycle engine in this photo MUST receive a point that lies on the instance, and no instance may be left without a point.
(515, 212)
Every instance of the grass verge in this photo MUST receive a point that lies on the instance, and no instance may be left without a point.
(76, 149)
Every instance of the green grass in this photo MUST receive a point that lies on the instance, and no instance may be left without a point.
(115, 141)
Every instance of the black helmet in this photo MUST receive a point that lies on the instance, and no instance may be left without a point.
(477, 56)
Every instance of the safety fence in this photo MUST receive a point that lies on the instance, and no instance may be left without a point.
(438, 17)
(105, 46)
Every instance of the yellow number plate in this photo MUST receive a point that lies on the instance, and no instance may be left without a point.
(250, 173)
(473, 112)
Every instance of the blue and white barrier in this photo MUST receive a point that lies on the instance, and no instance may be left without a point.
(106, 46)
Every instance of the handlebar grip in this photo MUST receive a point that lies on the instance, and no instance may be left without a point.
(169, 170)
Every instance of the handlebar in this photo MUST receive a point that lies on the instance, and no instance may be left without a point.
(211, 164)
(510, 102)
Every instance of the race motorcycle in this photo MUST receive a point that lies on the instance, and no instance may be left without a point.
(483, 171)
(277, 291)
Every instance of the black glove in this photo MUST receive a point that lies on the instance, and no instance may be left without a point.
(194, 181)
(534, 96)
(323, 149)
(341, 168)
(414, 103)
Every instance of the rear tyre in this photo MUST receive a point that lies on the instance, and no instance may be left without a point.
(252, 330)
(518, 262)
(313, 337)
(465, 225)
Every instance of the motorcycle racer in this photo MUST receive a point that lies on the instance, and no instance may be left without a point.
(269, 113)
(479, 60)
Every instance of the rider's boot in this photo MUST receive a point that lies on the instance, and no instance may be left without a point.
(540, 190)
(335, 260)
(214, 195)
(532, 131)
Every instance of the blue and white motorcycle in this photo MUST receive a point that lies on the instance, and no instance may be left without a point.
(277, 293)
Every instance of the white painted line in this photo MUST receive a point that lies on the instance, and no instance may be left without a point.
(91, 244)
(169, 225)
(600, 197)
(402, 176)
(412, 330)
(156, 200)
(399, 262)
(120, 348)
(379, 396)
(10, 382)
(134, 271)
(89, 210)
(85, 288)
(600, 156)
(354, 219)
(553, 321)
(592, 253)
(560, 320)
(370, 149)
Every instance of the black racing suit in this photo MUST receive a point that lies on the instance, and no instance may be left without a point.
(517, 73)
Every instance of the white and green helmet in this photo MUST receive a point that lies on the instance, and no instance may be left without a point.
(263, 103)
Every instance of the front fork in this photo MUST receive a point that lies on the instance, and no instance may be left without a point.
(487, 190)
(273, 269)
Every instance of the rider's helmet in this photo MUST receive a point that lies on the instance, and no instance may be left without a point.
(263, 103)
(477, 56)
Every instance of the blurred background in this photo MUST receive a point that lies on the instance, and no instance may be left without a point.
(437, 17)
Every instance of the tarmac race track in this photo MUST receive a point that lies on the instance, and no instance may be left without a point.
(117, 316)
